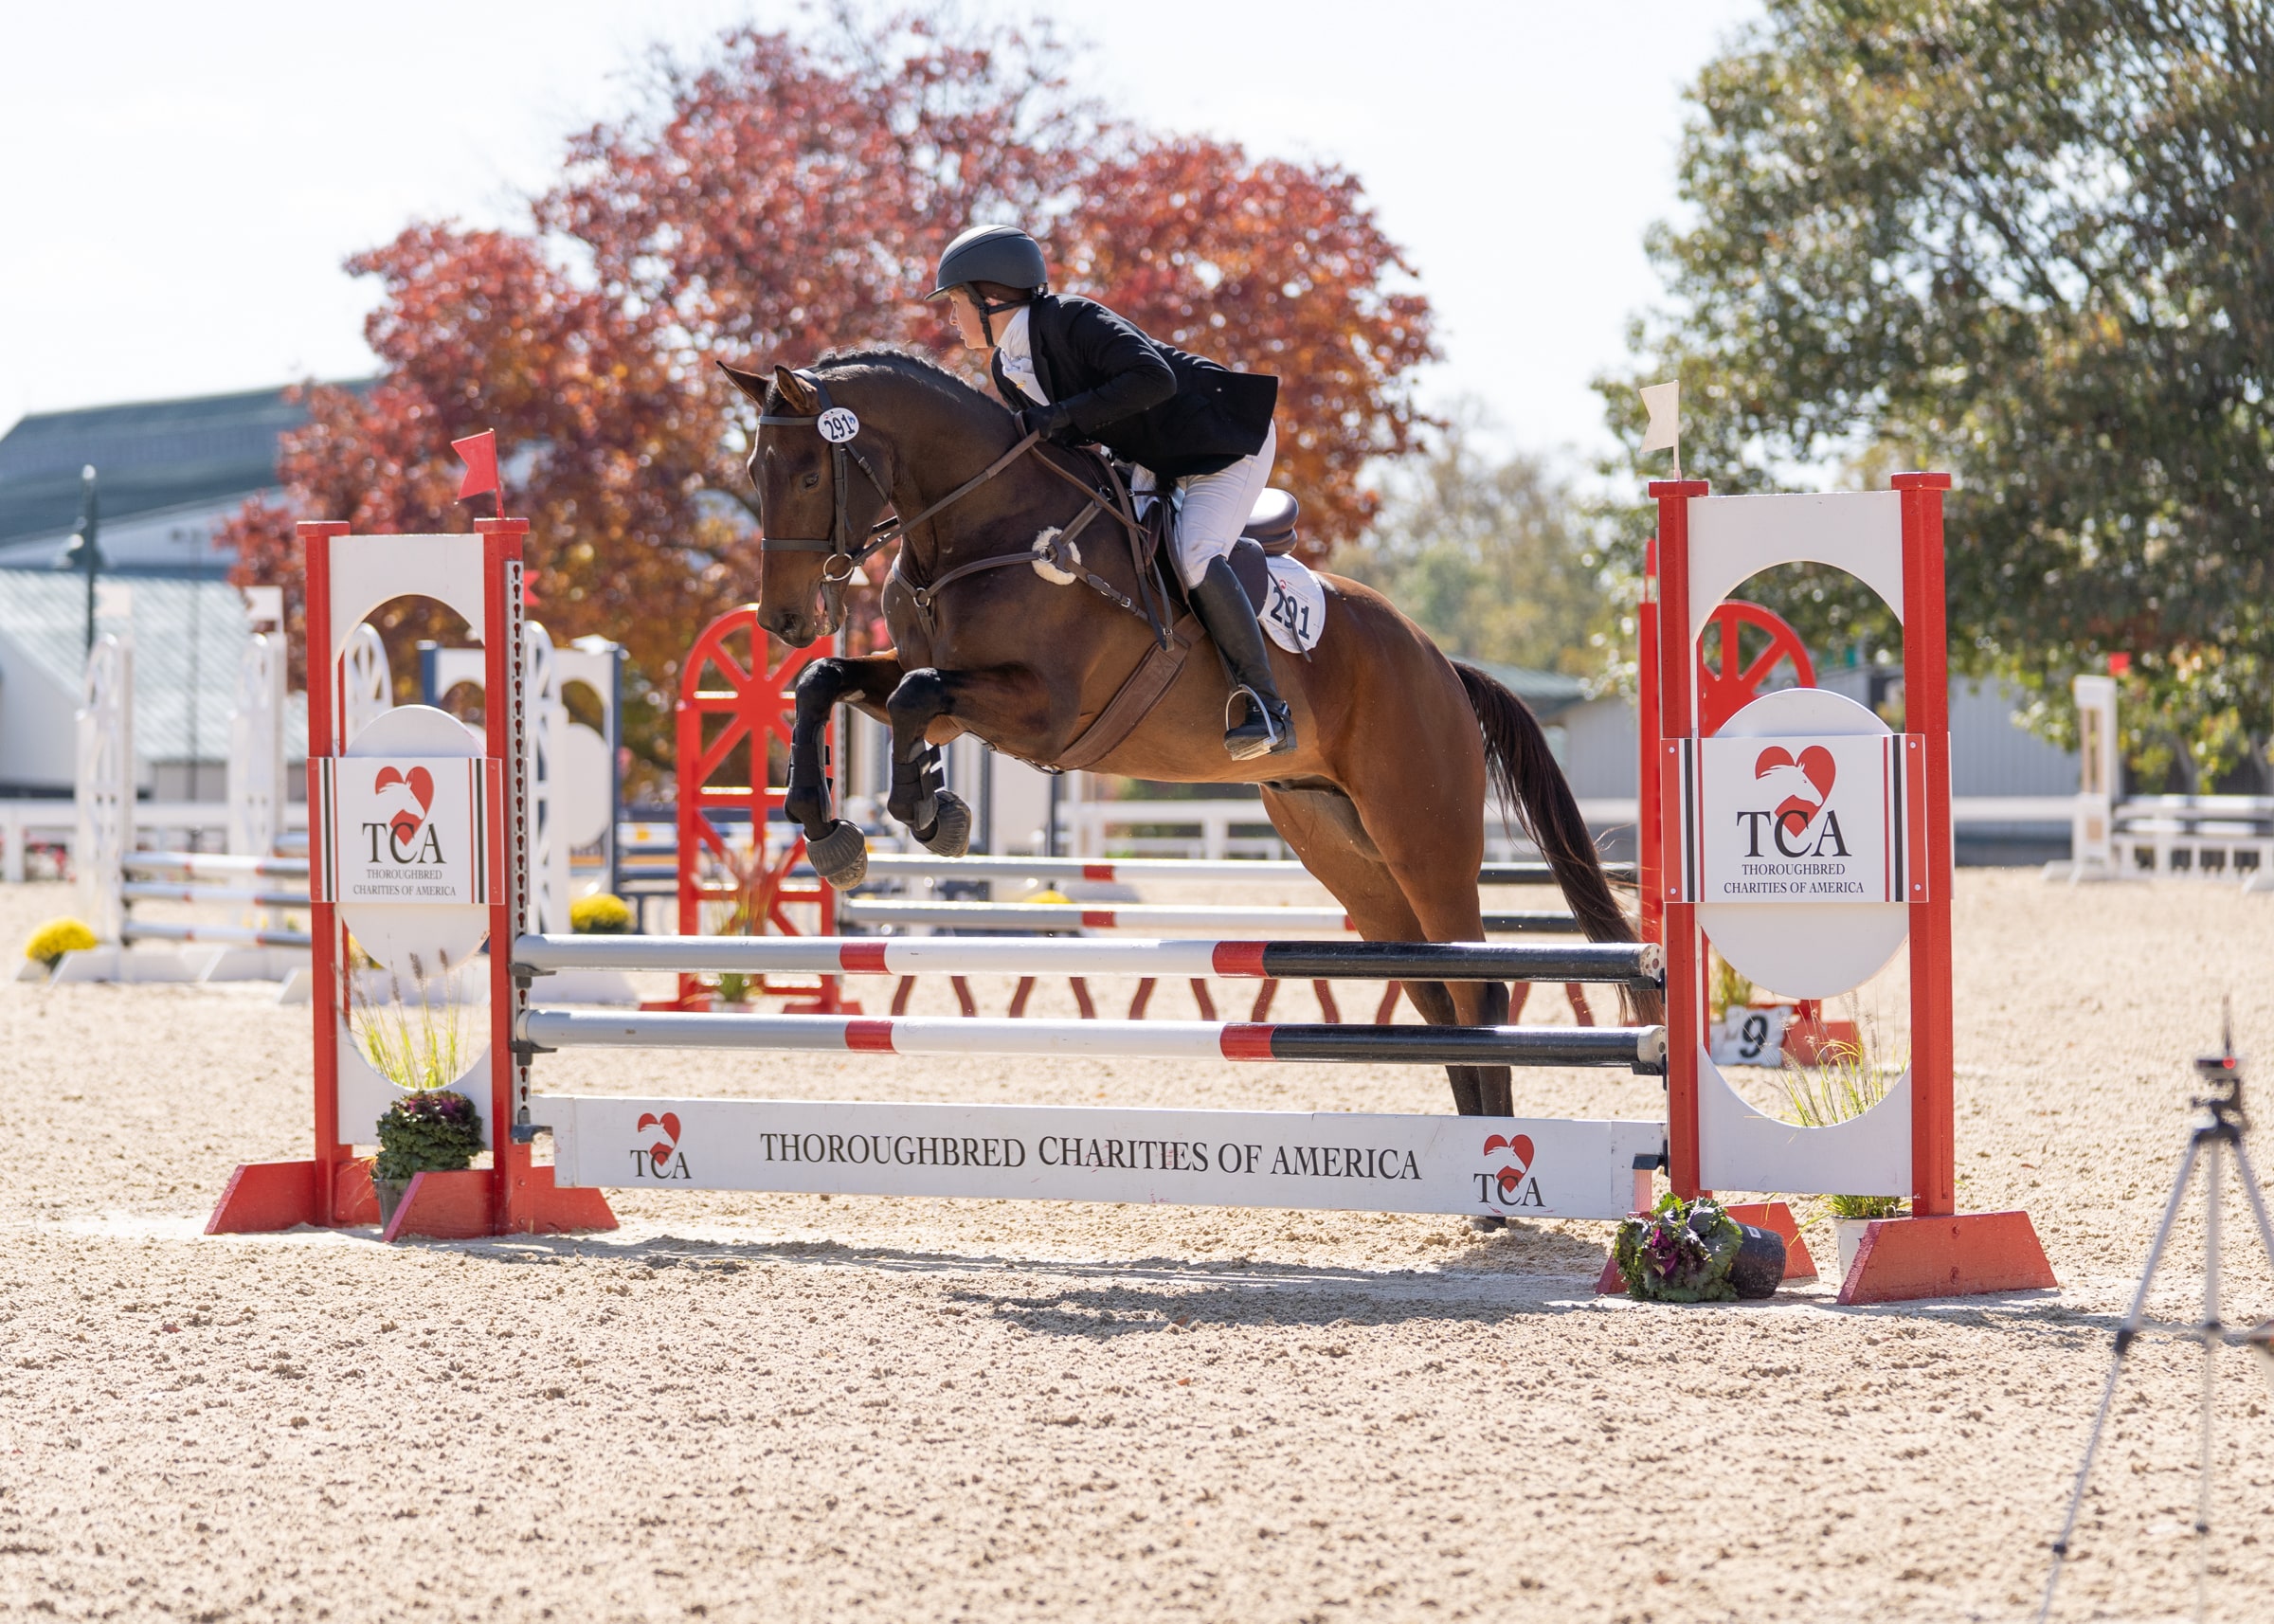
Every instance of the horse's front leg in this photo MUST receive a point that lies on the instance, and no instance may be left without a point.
(838, 851)
(994, 705)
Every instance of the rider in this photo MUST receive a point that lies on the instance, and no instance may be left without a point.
(1073, 372)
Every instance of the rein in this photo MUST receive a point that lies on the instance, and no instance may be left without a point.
(840, 427)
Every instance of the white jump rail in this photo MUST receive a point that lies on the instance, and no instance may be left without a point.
(158, 891)
(239, 935)
(1638, 1047)
(216, 862)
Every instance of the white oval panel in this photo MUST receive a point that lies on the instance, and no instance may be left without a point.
(1824, 949)
(415, 938)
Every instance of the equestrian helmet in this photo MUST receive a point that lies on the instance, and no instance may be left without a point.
(1002, 254)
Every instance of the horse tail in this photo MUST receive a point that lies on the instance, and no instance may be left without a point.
(1533, 788)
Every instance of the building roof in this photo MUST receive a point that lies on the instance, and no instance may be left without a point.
(188, 637)
(1548, 692)
(150, 457)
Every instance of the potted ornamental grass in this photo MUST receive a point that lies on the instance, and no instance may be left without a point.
(419, 1043)
(1844, 1081)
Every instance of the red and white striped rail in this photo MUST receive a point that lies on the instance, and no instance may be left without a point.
(1638, 1047)
(1140, 916)
(1631, 964)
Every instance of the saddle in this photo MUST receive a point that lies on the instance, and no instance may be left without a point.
(1161, 600)
(1271, 524)
(1268, 534)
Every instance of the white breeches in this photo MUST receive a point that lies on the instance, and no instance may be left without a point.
(1213, 507)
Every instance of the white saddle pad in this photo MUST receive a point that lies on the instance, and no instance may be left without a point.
(1297, 612)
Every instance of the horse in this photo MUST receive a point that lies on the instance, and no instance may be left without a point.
(1384, 798)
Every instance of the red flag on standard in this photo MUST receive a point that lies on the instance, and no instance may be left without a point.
(480, 452)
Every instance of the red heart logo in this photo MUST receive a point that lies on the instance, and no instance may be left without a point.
(403, 826)
(1518, 1149)
(1805, 783)
(669, 1123)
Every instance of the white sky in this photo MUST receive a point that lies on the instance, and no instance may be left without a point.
(181, 182)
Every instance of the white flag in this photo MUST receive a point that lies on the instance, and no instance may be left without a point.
(1664, 403)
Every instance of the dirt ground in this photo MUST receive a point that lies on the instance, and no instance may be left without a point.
(797, 1408)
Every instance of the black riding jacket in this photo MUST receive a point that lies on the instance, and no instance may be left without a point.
(1147, 402)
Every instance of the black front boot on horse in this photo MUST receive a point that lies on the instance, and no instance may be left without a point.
(1224, 609)
(949, 832)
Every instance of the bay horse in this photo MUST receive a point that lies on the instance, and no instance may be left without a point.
(1383, 800)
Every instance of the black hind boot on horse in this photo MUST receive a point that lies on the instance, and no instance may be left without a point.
(1224, 607)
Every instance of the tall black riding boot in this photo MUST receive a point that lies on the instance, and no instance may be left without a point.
(1265, 729)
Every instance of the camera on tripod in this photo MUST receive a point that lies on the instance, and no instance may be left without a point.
(2215, 1139)
(2223, 1070)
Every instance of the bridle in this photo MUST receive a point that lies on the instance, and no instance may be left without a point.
(840, 427)
(844, 557)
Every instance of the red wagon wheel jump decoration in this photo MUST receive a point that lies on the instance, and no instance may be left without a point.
(735, 706)
(1722, 692)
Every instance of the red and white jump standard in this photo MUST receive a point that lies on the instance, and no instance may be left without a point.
(1807, 843)
(478, 577)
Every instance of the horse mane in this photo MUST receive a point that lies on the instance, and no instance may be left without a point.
(911, 364)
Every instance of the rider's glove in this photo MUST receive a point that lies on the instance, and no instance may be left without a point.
(1046, 421)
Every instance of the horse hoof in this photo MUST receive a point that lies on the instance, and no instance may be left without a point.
(1485, 1224)
(951, 834)
(842, 856)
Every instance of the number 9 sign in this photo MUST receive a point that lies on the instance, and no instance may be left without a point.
(838, 425)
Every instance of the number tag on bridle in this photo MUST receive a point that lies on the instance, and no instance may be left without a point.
(838, 425)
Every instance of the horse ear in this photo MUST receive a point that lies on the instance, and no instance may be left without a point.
(751, 384)
(796, 392)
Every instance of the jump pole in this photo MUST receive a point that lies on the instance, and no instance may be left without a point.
(1698, 882)
(1148, 916)
(1631, 964)
(920, 865)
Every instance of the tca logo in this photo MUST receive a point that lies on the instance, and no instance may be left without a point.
(1804, 786)
(1509, 1184)
(405, 834)
(661, 1157)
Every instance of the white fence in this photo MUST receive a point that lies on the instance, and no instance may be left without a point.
(159, 825)
(1092, 828)
(1204, 828)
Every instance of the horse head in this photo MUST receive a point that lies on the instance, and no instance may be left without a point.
(817, 498)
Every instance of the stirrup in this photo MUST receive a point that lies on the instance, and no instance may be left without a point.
(1261, 733)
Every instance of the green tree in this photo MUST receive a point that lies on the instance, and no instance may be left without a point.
(2030, 245)
(1494, 558)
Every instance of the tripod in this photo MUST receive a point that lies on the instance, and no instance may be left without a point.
(2218, 1129)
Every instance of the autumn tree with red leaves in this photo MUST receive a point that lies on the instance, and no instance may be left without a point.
(789, 195)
